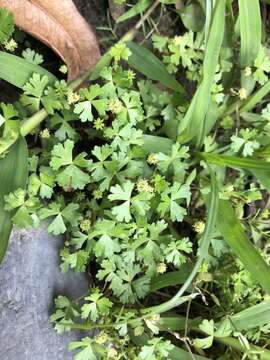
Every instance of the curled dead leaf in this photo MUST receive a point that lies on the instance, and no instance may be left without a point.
(59, 25)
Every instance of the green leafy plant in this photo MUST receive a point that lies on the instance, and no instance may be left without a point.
(158, 178)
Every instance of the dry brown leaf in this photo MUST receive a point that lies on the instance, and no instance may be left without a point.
(58, 24)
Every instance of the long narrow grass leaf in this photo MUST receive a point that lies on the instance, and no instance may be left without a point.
(251, 34)
(257, 315)
(263, 177)
(155, 144)
(144, 61)
(17, 71)
(178, 353)
(256, 98)
(250, 31)
(236, 162)
(240, 346)
(171, 278)
(136, 9)
(208, 16)
(13, 174)
(103, 61)
(235, 236)
(193, 125)
(251, 101)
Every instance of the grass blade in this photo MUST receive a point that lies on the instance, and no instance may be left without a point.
(13, 174)
(208, 16)
(137, 9)
(250, 103)
(263, 177)
(193, 125)
(17, 71)
(259, 168)
(250, 31)
(257, 315)
(155, 144)
(103, 61)
(236, 162)
(238, 345)
(234, 234)
(251, 36)
(178, 353)
(144, 61)
(254, 99)
(171, 278)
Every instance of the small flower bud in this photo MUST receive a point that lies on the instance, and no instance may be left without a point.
(45, 134)
(99, 124)
(112, 353)
(144, 186)
(199, 227)
(115, 106)
(101, 338)
(10, 45)
(265, 214)
(97, 194)
(72, 97)
(247, 71)
(63, 69)
(152, 159)
(161, 268)
(130, 75)
(243, 94)
(85, 225)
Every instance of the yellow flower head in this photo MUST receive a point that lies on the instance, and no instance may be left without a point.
(152, 159)
(199, 227)
(45, 134)
(247, 71)
(101, 338)
(161, 268)
(115, 106)
(10, 45)
(63, 69)
(85, 225)
(243, 94)
(112, 353)
(144, 186)
(72, 97)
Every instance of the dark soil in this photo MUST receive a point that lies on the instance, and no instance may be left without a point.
(95, 13)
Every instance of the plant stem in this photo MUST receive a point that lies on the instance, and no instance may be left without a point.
(31, 123)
